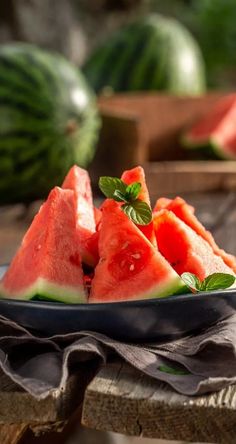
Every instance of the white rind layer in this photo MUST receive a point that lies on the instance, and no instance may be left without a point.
(47, 290)
(166, 289)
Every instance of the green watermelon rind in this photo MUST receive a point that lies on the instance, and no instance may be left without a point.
(45, 290)
(175, 286)
(151, 53)
(210, 146)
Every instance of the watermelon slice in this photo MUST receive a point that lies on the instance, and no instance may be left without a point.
(137, 175)
(185, 212)
(47, 264)
(78, 180)
(97, 217)
(215, 133)
(129, 267)
(185, 250)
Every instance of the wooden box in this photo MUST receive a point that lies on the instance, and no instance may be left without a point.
(146, 129)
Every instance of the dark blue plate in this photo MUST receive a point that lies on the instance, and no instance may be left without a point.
(150, 319)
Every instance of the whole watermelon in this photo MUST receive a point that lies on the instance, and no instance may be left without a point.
(48, 121)
(153, 53)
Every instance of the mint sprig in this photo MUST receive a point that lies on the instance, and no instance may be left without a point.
(173, 371)
(108, 185)
(137, 210)
(215, 281)
(119, 196)
(132, 191)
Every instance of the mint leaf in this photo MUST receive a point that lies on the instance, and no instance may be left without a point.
(217, 281)
(119, 196)
(132, 191)
(173, 371)
(191, 281)
(138, 211)
(108, 185)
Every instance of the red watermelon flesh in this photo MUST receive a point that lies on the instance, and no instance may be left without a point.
(216, 129)
(97, 217)
(184, 249)
(185, 212)
(129, 266)
(48, 264)
(137, 175)
(78, 180)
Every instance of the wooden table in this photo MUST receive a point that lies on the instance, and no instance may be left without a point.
(119, 398)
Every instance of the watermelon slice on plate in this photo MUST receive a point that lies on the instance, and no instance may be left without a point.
(97, 217)
(215, 133)
(78, 180)
(129, 267)
(47, 264)
(185, 212)
(184, 249)
(137, 175)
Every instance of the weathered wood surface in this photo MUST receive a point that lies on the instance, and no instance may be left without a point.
(120, 145)
(12, 433)
(17, 406)
(123, 400)
(161, 120)
(194, 176)
(22, 416)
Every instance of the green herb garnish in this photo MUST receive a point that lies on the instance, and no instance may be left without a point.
(173, 371)
(215, 281)
(137, 210)
(108, 185)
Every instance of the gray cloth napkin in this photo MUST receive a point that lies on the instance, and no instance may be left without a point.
(207, 362)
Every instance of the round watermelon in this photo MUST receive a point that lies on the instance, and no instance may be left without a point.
(153, 53)
(48, 121)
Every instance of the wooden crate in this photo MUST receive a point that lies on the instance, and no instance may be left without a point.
(146, 129)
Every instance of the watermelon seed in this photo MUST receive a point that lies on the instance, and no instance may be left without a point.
(125, 245)
(136, 256)
(131, 267)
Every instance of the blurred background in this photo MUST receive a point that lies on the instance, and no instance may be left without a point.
(78, 26)
(110, 84)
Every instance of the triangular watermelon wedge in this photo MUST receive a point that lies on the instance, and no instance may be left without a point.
(137, 175)
(215, 134)
(47, 264)
(185, 250)
(185, 212)
(129, 267)
(97, 217)
(78, 180)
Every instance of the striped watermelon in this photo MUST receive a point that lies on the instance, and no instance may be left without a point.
(48, 121)
(153, 53)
